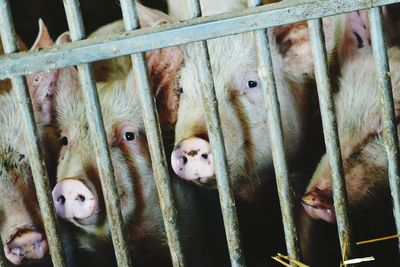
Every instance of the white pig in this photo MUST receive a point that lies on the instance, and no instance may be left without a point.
(78, 195)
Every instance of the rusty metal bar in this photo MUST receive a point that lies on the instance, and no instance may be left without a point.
(286, 197)
(387, 110)
(156, 146)
(32, 141)
(96, 126)
(324, 85)
(210, 103)
(197, 29)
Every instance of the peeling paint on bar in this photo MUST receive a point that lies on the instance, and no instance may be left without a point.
(387, 110)
(180, 33)
(156, 146)
(286, 197)
(324, 85)
(210, 104)
(32, 141)
(96, 125)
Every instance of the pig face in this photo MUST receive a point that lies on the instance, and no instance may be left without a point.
(78, 195)
(21, 227)
(360, 132)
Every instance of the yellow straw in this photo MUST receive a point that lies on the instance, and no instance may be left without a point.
(378, 239)
(281, 261)
(300, 264)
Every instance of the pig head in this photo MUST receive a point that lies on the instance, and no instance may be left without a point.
(359, 125)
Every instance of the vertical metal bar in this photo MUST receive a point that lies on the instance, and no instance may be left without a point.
(387, 110)
(210, 104)
(96, 126)
(32, 141)
(327, 107)
(156, 146)
(286, 198)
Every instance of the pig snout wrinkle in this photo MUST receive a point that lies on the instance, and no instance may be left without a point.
(25, 246)
(192, 160)
(73, 200)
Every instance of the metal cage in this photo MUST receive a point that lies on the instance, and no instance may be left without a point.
(82, 52)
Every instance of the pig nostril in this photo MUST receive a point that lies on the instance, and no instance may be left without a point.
(61, 199)
(204, 156)
(185, 160)
(81, 198)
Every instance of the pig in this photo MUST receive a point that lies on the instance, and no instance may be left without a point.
(362, 149)
(21, 226)
(78, 195)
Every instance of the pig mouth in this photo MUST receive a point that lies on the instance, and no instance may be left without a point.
(318, 204)
(207, 182)
(88, 221)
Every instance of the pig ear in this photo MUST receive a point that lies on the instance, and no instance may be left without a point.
(356, 36)
(44, 85)
(64, 38)
(150, 17)
(164, 65)
(43, 39)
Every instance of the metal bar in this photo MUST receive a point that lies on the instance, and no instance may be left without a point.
(286, 197)
(32, 141)
(324, 85)
(388, 115)
(175, 34)
(156, 146)
(210, 104)
(96, 126)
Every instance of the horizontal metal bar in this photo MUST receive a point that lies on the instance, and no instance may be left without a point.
(387, 110)
(97, 130)
(179, 33)
(210, 104)
(324, 85)
(286, 198)
(156, 146)
(32, 141)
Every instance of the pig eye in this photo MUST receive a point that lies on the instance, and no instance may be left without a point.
(129, 136)
(21, 157)
(252, 84)
(64, 141)
(180, 90)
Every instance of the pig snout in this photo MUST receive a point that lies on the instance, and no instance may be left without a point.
(74, 200)
(318, 204)
(25, 246)
(192, 160)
